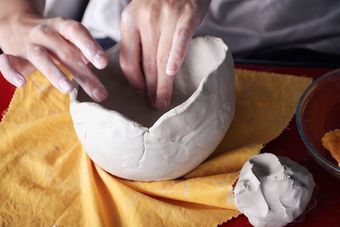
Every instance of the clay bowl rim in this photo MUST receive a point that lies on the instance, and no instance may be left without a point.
(320, 159)
(174, 111)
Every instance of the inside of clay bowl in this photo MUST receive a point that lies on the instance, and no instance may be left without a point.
(128, 138)
(125, 100)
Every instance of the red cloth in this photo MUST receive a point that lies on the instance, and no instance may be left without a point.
(6, 93)
(324, 208)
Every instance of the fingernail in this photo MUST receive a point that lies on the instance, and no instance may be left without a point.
(100, 94)
(65, 86)
(171, 69)
(19, 81)
(100, 60)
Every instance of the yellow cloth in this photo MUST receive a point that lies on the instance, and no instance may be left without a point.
(46, 178)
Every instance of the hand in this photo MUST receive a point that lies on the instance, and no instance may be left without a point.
(35, 41)
(158, 32)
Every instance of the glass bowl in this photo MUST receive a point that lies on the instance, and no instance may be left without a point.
(318, 112)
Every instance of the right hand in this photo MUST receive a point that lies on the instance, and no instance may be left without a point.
(155, 36)
(35, 41)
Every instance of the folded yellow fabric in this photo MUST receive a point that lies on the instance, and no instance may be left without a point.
(46, 178)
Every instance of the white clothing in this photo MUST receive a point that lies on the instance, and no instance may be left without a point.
(245, 25)
(63, 8)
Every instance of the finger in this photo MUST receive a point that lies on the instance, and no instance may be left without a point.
(23, 66)
(88, 81)
(71, 57)
(129, 56)
(43, 61)
(79, 36)
(10, 73)
(164, 82)
(182, 36)
(149, 49)
(46, 36)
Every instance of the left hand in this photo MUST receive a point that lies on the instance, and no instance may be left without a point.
(157, 33)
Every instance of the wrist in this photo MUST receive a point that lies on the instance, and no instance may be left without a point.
(13, 25)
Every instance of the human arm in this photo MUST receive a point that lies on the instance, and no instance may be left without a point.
(157, 33)
(30, 40)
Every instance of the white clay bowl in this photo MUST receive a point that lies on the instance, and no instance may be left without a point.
(128, 138)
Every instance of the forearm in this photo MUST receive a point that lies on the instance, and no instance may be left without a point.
(29, 40)
(15, 7)
(15, 10)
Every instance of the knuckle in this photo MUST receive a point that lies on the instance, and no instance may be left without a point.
(74, 26)
(3, 59)
(82, 80)
(163, 60)
(34, 51)
(148, 18)
(84, 77)
(92, 82)
(150, 13)
(153, 10)
(127, 69)
(191, 8)
(64, 56)
(127, 15)
(184, 33)
(149, 68)
(154, 6)
(38, 50)
(40, 30)
(58, 20)
(68, 53)
(180, 53)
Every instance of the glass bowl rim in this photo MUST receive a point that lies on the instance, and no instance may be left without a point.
(298, 119)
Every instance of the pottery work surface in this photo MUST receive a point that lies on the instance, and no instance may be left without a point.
(130, 139)
(272, 191)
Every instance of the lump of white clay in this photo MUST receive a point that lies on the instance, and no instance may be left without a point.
(272, 191)
(128, 138)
